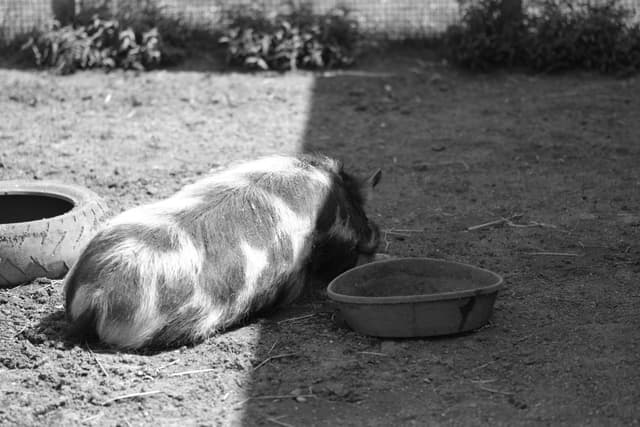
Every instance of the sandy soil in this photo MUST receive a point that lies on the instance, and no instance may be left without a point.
(558, 156)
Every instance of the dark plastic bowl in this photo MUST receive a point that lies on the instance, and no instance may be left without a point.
(415, 297)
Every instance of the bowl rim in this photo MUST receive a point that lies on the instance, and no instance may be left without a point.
(404, 299)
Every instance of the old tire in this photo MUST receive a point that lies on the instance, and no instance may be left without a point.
(43, 227)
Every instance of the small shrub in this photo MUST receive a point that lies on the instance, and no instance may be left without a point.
(590, 36)
(480, 42)
(559, 36)
(297, 38)
(99, 44)
(142, 16)
(136, 35)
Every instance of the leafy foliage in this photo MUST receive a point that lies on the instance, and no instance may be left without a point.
(99, 44)
(145, 15)
(560, 35)
(296, 38)
(480, 42)
(590, 36)
(136, 35)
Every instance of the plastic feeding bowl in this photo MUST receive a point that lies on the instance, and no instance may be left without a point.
(415, 297)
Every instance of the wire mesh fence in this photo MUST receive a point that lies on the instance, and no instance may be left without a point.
(393, 18)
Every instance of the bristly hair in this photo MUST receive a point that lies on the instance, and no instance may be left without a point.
(353, 188)
(230, 245)
(351, 184)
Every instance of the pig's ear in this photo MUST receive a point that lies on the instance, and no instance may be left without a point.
(369, 184)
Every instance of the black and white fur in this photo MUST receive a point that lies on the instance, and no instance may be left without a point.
(228, 246)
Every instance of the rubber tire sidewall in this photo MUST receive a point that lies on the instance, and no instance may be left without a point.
(48, 247)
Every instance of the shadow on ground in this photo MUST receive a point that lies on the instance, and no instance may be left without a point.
(324, 373)
(452, 158)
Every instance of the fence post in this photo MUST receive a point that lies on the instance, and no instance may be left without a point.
(64, 11)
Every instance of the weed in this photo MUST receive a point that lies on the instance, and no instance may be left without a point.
(101, 43)
(290, 39)
(557, 35)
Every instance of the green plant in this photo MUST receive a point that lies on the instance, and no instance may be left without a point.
(142, 16)
(588, 36)
(297, 38)
(479, 42)
(101, 43)
(559, 35)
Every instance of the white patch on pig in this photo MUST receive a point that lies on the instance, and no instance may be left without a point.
(158, 214)
(274, 165)
(149, 266)
(320, 176)
(298, 228)
(255, 261)
(213, 320)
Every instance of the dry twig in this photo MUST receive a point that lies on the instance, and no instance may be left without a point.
(270, 358)
(92, 417)
(484, 365)
(491, 380)
(278, 422)
(130, 396)
(404, 232)
(486, 224)
(196, 371)
(500, 221)
(274, 397)
(24, 328)
(104, 371)
(510, 223)
(173, 362)
(373, 353)
(424, 165)
(553, 253)
(407, 230)
(273, 346)
(492, 390)
(293, 319)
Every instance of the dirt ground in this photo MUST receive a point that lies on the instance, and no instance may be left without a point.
(557, 155)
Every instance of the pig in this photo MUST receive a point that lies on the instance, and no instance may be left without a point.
(235, 244)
